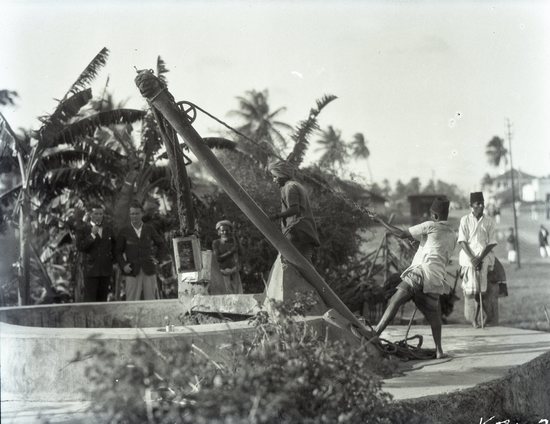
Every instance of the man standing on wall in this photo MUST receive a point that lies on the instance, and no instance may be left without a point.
(96, 240)
(136, 255)
(297, 221)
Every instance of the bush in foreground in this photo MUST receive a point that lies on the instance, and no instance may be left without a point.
(284, 374)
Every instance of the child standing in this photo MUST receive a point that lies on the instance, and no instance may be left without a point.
(226, 253)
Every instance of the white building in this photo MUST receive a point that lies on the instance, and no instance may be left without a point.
(538, 190)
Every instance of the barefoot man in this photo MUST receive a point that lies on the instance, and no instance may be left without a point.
(424, 280)
(477, 237)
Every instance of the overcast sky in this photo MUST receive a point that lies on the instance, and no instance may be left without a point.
(428, 83)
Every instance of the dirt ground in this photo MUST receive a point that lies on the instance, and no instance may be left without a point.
(528, 285)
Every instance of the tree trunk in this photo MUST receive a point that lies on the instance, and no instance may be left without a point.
(185, 201)
(180, 179)
(122, 203)
(24, 252)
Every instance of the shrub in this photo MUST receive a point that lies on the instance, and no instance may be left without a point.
(284, 374)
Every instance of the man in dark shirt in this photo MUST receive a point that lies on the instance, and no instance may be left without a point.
(297, 221)
(136, 255)
(96, 240)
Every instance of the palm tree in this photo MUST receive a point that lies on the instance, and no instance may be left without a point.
(7, 97)
(63, 156)
(335, 150)
(496, 152)
(261, 125)
(360, 150)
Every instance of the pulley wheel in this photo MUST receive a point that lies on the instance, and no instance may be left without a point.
(189, 109)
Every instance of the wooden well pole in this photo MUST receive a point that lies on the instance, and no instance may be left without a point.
(158, 96)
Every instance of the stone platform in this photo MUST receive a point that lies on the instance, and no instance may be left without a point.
(476, 356)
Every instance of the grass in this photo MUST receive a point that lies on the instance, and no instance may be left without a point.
(529, 294)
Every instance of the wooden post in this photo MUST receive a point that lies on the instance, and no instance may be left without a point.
(159, 97)
(514, 195)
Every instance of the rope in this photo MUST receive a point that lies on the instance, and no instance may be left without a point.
(320, 183)
(401, 348)
(404, 350)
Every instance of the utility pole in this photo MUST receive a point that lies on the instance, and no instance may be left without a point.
(513, 190)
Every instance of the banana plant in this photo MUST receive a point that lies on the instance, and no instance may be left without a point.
(62, 156)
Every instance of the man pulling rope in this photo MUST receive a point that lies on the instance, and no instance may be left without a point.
(424, 280)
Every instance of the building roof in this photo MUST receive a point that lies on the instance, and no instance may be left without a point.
(358, 192)
(517, 174)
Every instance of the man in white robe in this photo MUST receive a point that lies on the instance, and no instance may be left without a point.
(477, 238)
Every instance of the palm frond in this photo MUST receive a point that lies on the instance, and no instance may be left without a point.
(11, 194)
(161, 70)
(219, 143)
(90, 72)
(151, 141)
(70, 107)
(66, 110)
(160, 177)
(104, 157)
(83, 180)
(61, 158)
(8, 140)
(87, 126)
(276, 112)
(305, 128)
(7, 97)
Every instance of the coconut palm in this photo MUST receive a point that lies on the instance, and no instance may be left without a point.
(335, 150)
(7, 97)
(496, 152)
(261, 125)
(360, 150)
(63, 155)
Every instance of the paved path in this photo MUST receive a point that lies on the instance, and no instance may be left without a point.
(476, 356)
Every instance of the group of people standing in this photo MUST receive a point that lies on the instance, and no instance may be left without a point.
(424, 280)
(137, 249)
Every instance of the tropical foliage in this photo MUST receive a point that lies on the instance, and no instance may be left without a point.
(60, 164)
(261, 125)
(496, 152)
(334, 149)
(285, 374)
(7, 97)
(360, 150)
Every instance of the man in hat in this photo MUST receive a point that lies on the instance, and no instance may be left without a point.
(226, 253)
(424, 280)
(297, 221)
(477, 238)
